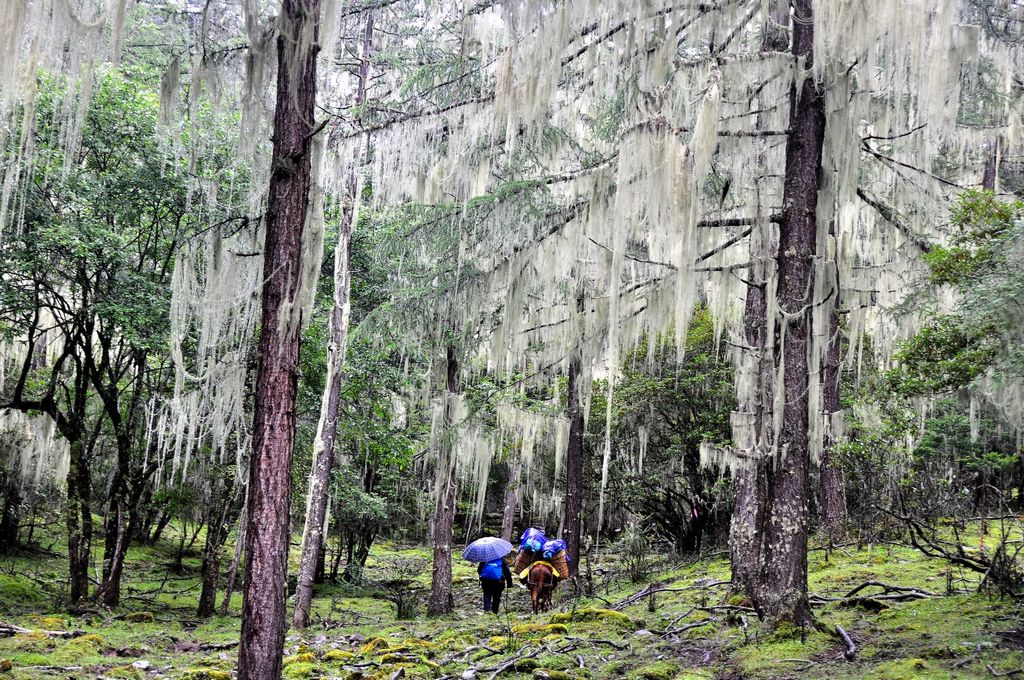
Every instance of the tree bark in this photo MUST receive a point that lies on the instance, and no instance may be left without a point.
(441, 601)
(783, 589)
(79, 520)
(508, 516)
(833, 485)
(10, 517)
(264, 608)
(311, 559)
(572, 521)
(229, 583)
(988, 181)
(220, 518)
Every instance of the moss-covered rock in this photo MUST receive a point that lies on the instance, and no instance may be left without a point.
(336, 655)
(417, 643)
(93, 640)
(299, 670)
(545, 628)
(76, 648)
(525, 665)
(124, 673)
(373, 645)
(306, 657)
(6, 665)
(205, 674)
(51, 622)
(551, 674)
(903, 669)
(140, 617)
(595, 614)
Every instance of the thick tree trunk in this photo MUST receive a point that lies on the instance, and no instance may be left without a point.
(115, 548)
(79, 520)
(782, 592)
(833, 485)
(311, 559)
(441, 601)
(264, 609)
(508, 516)
(572, 520)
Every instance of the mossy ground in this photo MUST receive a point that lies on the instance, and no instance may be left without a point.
(691, 630)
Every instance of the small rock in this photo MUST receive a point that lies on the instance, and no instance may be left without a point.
(469, 675)
(142, 665)
(643, 632)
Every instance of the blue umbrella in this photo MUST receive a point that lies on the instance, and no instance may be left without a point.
(486, 549)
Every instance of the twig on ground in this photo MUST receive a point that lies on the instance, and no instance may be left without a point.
(851, 647)
(1002, 674)
(514, 660)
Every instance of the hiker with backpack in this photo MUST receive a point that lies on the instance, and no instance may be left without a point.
(495, 576)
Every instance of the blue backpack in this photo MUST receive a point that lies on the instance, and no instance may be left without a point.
(493, 570)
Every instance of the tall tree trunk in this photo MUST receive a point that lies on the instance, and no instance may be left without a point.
(833, 485)
(782, 592)
(746, 525)
(311, 559)
(508, 516)
(754, 391)
(441, 601)
(264, 609)
(572, 520)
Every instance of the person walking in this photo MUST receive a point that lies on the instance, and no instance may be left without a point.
(495, 576)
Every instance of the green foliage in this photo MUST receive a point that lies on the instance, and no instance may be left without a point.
(677, 403)
(635, 548)
(981, 266)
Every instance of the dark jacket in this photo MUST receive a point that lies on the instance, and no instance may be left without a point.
(505, 572)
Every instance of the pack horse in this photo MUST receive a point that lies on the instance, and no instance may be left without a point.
(541, 581)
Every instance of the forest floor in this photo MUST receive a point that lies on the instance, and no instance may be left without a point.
(934, 625)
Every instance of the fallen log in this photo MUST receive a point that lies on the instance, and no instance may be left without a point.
(10, 630)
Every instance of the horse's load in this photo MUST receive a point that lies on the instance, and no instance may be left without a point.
(523, 560)
(555, 553)
(534, 546)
